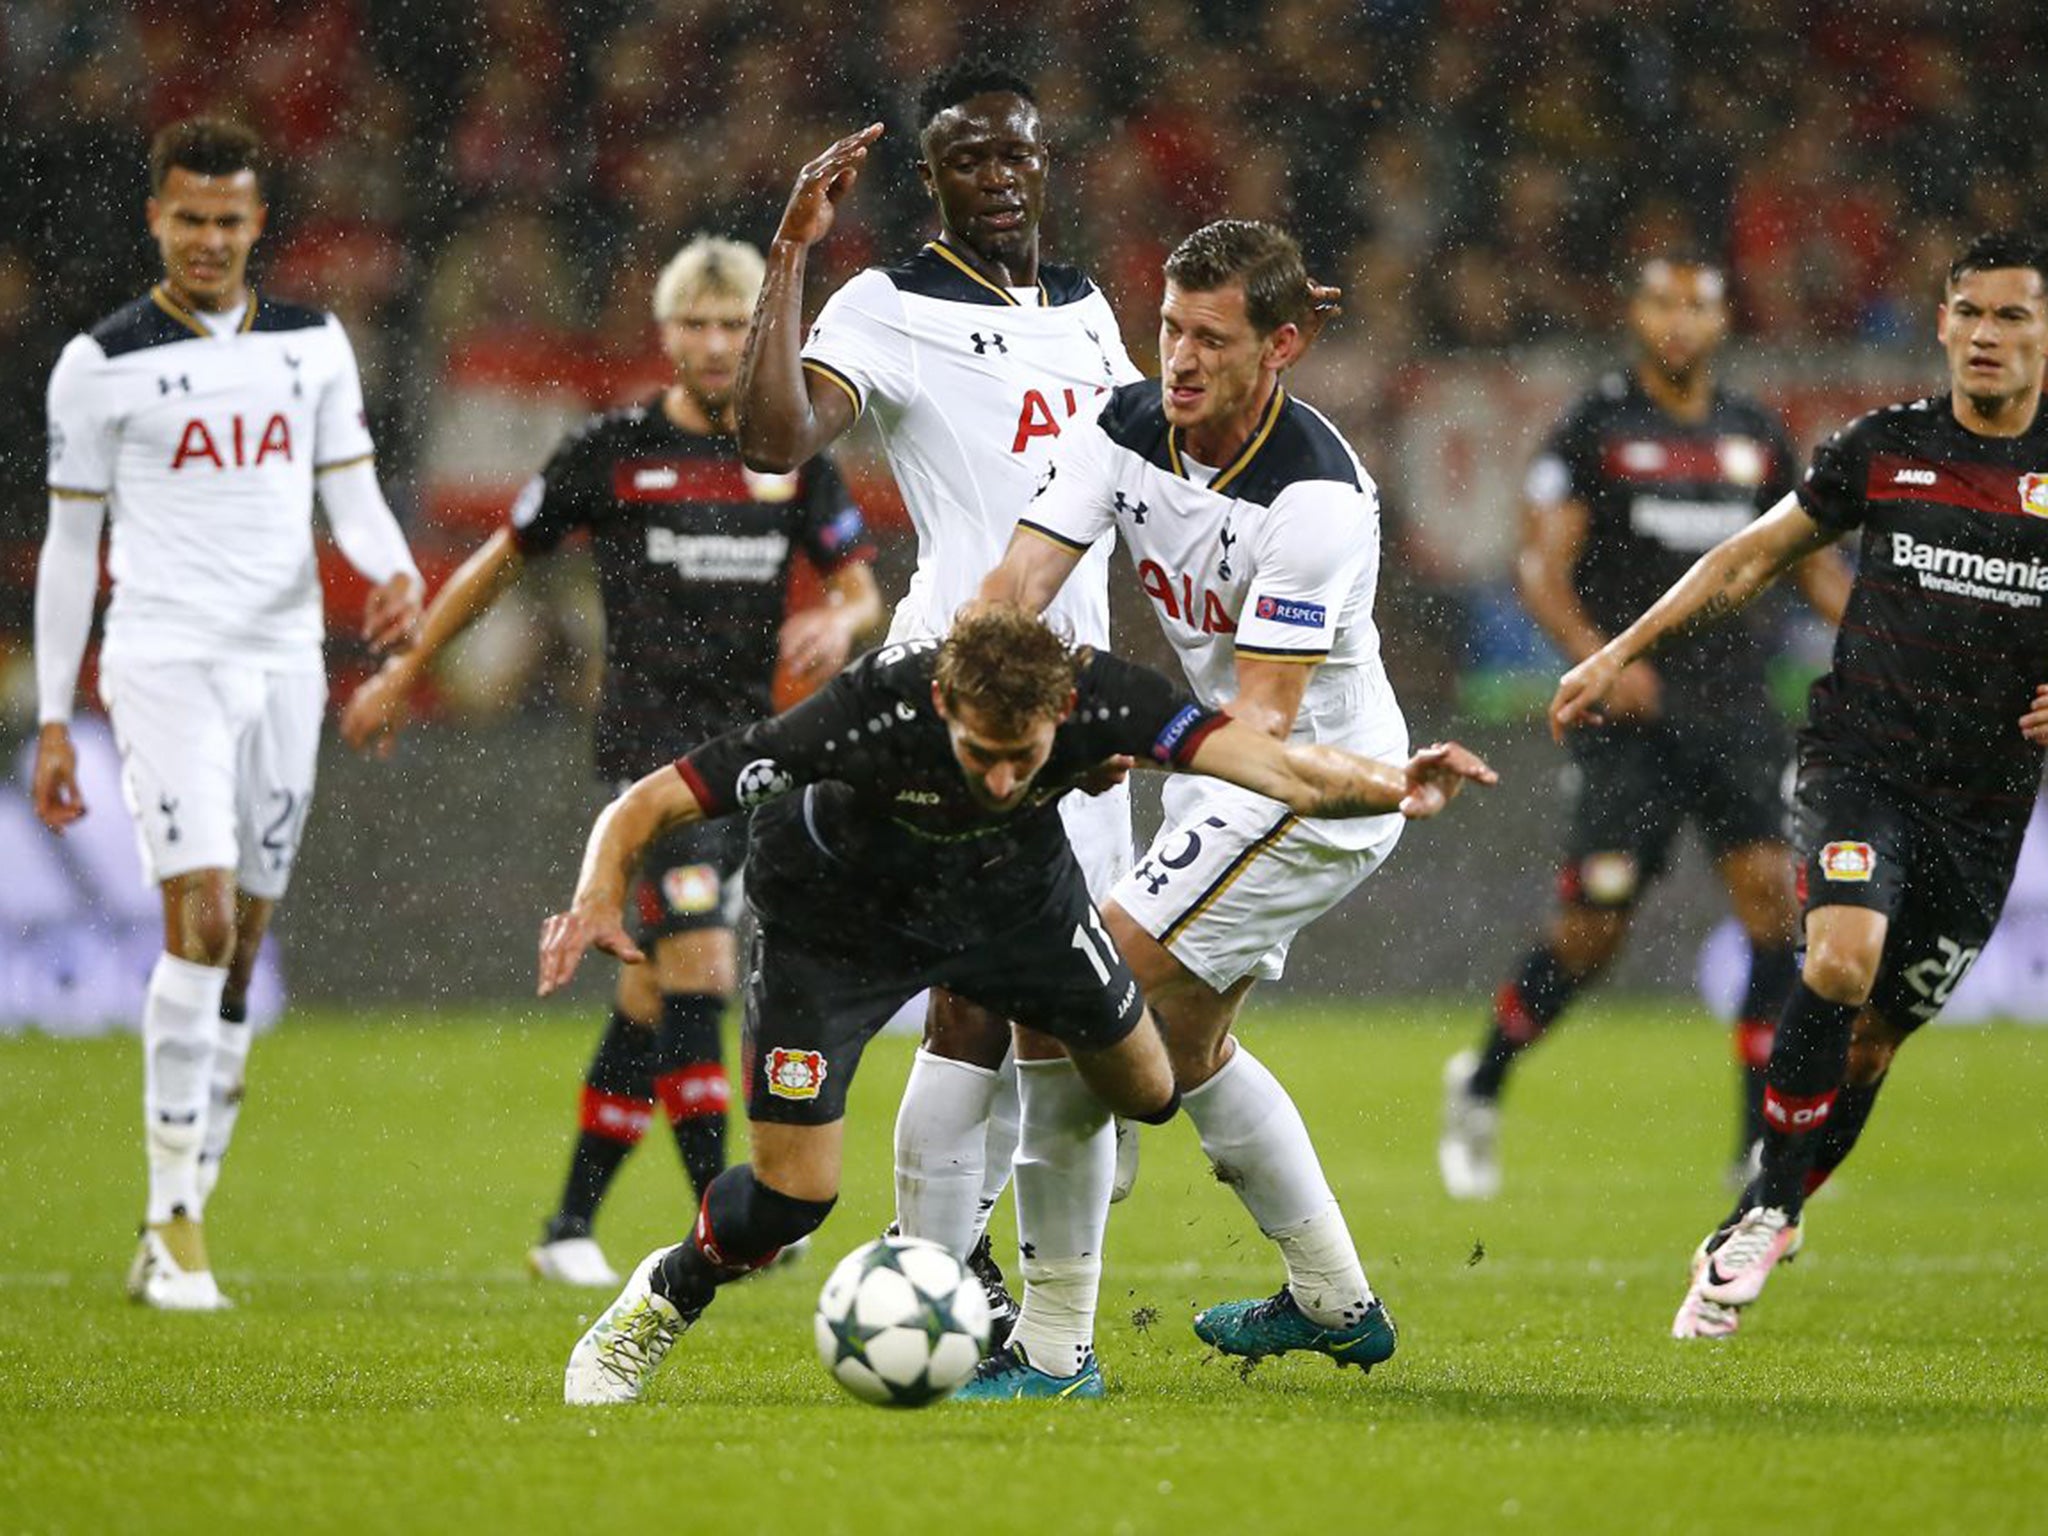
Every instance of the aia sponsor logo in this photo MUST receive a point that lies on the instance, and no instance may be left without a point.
(795, 1074)
(1855, 862)
(1202, 610)
(235, 445)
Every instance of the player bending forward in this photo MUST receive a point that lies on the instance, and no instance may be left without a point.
(197, 421)
(1921, 757)
(906, 834)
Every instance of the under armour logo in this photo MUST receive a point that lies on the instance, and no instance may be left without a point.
(1155, 882)
(983, 343)
(165, 385)
(1125, 508)
(1226, 538)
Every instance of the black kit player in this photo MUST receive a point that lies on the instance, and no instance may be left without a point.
(1650, 469)
(1921, 757)
(693, 555)
(907, 835)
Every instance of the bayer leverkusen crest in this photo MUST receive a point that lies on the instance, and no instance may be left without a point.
(2034, 495)
(795, 1074)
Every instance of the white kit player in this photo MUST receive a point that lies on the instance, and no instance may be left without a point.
(195, 422)
(972, 358)
(1255, 534)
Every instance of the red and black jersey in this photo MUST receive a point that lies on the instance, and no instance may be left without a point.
(693, 553)
(1659, 493)
(866, 813)
(1946, 634)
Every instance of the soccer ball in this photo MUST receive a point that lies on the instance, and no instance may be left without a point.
(901, 1323)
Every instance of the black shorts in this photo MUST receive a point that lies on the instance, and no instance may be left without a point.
(813, 1004)
(689, 880)
(1941, 881)
(1637, 785)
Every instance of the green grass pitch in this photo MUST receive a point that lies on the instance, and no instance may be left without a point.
(391, 1368)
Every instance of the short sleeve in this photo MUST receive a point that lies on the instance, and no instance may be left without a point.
(1312, 547)
(1143, 713)
(861, 343)
(833, 533)
(82, 437)
(770, 758)
(559, 500)
(341, 429)
(1832, 493)
(1567, 468)
(1075, 503)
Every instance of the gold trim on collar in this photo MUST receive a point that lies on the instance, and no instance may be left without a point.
(939, 249)
(161, 296)
(1243, 456)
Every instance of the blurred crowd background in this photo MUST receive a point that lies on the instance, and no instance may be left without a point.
(483, 189)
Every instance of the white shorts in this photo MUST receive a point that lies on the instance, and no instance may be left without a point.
(1099, 827)
(217, 765)
(1232, 877)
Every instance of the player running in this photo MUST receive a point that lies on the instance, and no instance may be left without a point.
(1648, 470)
(1921, 757)
(905, 836)
(196, 423)
(1254, 531)
(971, 357)
(693, 555)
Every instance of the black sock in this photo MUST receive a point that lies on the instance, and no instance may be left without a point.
(1837, 1139)
(690, 1082)
(617, 1102)
(1522, 1010)
(234, 1010)
(1772, 971)
(1808, 1063)
(743, 1224)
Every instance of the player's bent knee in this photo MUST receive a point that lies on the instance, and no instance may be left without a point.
(962, 1031)
(1841, 973)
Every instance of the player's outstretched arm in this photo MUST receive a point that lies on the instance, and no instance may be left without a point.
(787, 415)
(1722, 581)
(1313, 780)
(377, 711)
(1031, 572)
(596, 915)
(2034, 723)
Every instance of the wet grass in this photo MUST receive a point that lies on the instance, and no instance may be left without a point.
(391, 1368)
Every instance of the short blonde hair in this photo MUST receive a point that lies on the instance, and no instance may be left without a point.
(708, 268)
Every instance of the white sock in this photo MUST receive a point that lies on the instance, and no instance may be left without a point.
(1001, 1151)
(1066, 1161)
(224, 1101)
(940, 1139)
(1255, 1138)
(180, 1022)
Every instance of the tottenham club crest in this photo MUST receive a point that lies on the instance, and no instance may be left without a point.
(761, 781)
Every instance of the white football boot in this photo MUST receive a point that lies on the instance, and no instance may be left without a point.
(170, 1271)
(611, 1362)
(572, 1261)
(1467, 1154)
(1742, 1259)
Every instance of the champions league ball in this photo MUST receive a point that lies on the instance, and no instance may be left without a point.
(901, 1323)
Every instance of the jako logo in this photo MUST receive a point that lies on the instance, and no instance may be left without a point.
(1915, 477)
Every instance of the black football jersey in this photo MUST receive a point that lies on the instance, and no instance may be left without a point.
(1659, 493)
(866, 815)
(1946, 634)
(693, 553)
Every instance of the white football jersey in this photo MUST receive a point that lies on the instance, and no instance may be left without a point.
(204, 447)
(970, 385)
(1275, 555)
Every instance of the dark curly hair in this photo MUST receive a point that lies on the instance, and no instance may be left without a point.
(965, 79)
(1009, 666)
(205, 146)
